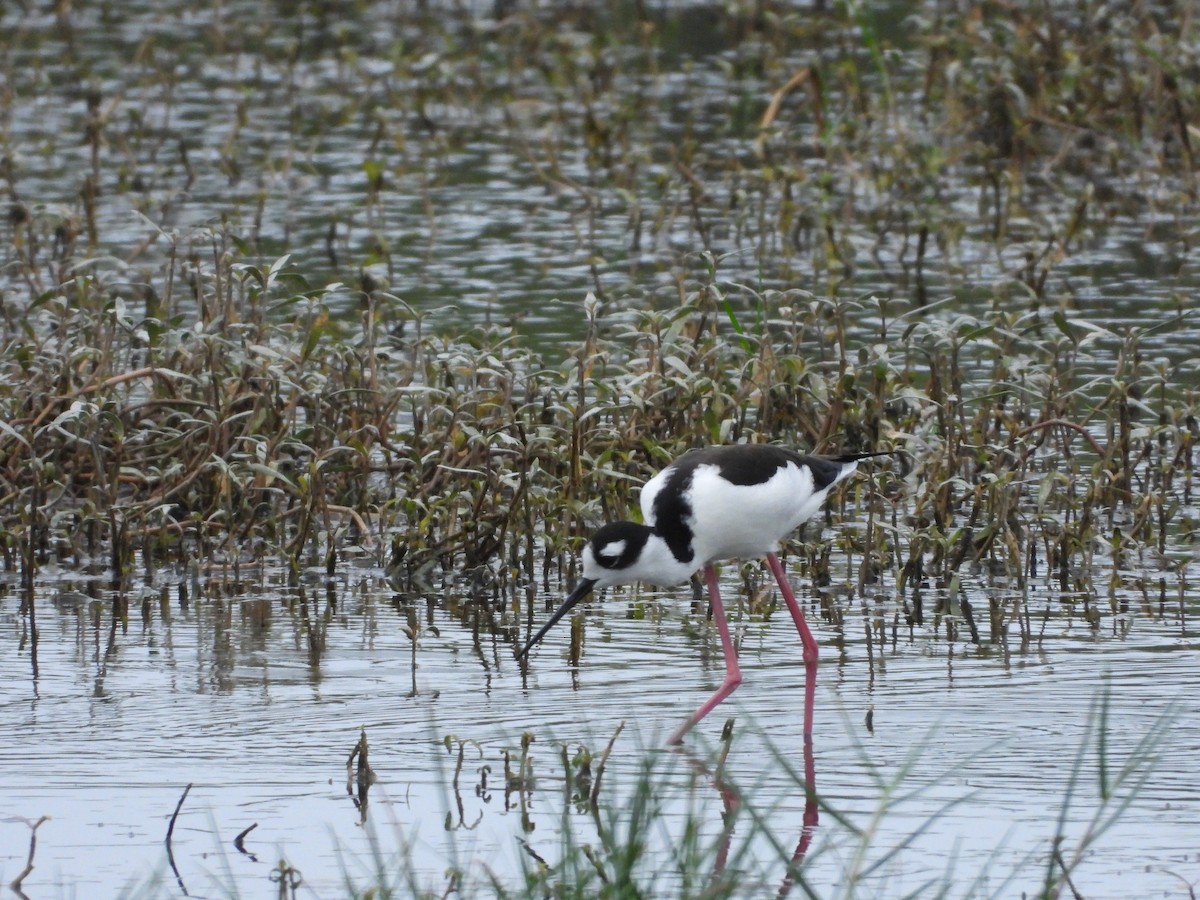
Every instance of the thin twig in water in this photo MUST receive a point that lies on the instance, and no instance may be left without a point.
(170, 834)
(1066, 873)
(15, 884)
(240, 840)
(595, 795)
(1075, 426)
(175, 815)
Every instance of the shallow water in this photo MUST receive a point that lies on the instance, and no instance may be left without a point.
(226, 694)
(975, 747)
(492, 206)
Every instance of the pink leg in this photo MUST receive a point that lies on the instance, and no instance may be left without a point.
(806, 638)
(733, 675)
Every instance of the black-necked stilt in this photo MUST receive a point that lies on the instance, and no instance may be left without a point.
(729, 502)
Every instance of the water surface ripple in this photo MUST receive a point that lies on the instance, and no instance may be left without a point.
(971, 749)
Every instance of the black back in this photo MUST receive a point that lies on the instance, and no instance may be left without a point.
(741, 464)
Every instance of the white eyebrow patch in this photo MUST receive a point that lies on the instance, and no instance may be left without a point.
(611, 550)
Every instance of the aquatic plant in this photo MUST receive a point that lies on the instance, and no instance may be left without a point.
(231, 342)
(639, 837)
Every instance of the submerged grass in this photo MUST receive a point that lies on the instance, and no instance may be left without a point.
(636, 837)
(835, 227)
(215, 403)
(130, 444)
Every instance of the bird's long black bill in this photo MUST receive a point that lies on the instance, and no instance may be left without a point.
(582, 589)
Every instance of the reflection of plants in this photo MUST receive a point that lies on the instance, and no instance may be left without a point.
(636, 840)
(231, 404)
(460, 755)
(471, 455)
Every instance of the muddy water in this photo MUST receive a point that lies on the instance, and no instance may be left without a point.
(966, 766)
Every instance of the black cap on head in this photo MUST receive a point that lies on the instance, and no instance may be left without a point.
(617, 545)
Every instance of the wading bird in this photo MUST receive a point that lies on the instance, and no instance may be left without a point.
(715, 503)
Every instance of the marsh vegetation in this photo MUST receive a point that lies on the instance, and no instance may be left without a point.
(330, 329)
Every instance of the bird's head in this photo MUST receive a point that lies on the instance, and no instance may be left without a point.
(610, 557)
(612, 554)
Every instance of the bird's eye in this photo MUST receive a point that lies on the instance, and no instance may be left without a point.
(611, 551)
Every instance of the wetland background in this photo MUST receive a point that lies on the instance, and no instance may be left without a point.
(330, 329)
